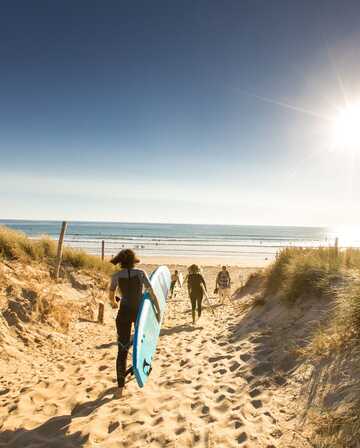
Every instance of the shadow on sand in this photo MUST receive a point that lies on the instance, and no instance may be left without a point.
(105, 346)
(53, 433)
(179, 329)
(81, 319)
(278, 332)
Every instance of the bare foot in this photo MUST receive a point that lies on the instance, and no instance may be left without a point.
(118, 393)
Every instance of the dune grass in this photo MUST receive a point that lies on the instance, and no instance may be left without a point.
(299, 272)
(15, 245)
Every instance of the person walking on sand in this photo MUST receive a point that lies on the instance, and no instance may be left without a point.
(174, 279)
(196, 286)
(223, 284)
(130, 282)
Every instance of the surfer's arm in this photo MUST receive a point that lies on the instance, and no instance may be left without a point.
(113, 286)
(112, 298)
(153, 297)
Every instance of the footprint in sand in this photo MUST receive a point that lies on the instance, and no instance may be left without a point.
(242, 437)
(280, 380)
(218, 358)
(113, 426)
(158, 420)
(254, 393)
(205, 410)
(262, 369)
(273, 420)
(234, 366)
(245, 357)
(238, 424)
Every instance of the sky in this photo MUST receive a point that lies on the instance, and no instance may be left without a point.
(179, 111)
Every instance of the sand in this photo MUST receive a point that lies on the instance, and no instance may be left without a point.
(211, 386)
(250, 261)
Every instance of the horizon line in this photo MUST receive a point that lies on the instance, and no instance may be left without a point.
(162, 223)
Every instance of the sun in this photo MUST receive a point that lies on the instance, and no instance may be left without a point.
(347, 128)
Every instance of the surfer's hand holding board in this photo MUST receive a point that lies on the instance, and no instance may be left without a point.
(112, 299)
(155, 302)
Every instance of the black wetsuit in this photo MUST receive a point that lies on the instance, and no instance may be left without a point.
(196, 286)
(130, 283)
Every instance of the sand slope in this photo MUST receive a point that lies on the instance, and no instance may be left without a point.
(212, 385)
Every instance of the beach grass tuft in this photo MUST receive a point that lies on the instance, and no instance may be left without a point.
(15, 245)
(301, 272)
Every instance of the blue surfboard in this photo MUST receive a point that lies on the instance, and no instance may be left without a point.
(147, 328)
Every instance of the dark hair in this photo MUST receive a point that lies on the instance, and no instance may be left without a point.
(194, 269)
(126, 258)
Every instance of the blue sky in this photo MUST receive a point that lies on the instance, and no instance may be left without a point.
(150, 111)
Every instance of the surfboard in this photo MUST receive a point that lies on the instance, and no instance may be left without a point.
(181, 279)
(147, 328)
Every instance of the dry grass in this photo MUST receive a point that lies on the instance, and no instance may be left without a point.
(339, 429)
(301, 272)
(313, 274)
(15, 245)
(56, 312)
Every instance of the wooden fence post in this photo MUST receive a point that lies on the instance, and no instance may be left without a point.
(336, 247)
(102, 250)
(60, 249)
(101, 313)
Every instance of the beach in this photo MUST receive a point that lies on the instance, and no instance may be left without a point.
(212, 384)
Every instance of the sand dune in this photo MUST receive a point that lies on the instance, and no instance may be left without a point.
(214, 384)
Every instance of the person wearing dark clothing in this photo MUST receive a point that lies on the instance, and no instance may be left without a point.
(223, 285)
(174, 279)
(130, 283)
(196, 287)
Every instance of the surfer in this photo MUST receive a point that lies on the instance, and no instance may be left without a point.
(130, 283)
(196, 287)
(223, 283)
(174, 279)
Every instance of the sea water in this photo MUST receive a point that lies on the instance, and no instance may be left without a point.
(182, 240)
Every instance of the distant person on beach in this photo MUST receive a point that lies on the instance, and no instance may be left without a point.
(130, 282)
(174, 279)
(223, 285)
(196, 286)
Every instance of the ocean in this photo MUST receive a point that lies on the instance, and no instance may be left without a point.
(182, 240)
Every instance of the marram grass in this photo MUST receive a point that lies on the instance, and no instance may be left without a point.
(15, 245)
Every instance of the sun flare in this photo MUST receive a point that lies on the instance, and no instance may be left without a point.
(347, 128)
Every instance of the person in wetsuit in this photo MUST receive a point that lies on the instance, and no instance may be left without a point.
(130, 282)
(174, 279)
(196, 287)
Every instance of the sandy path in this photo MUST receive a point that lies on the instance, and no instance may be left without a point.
(207, 389)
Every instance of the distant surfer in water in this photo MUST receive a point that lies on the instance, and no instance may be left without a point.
(130, 283)
(196, 287)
